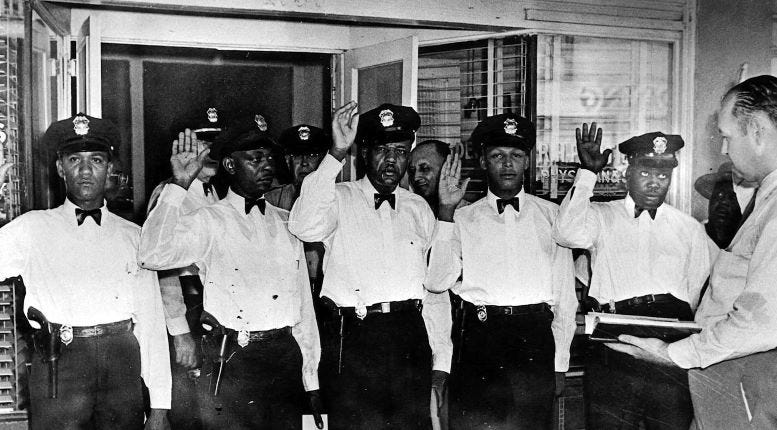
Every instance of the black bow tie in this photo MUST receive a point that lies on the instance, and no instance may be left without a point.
(81, 215)
(207, 188)
(638, 211)
(501, 204)
(380, 198)
(260, 203)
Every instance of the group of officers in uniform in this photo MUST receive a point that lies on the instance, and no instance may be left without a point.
(386, 308)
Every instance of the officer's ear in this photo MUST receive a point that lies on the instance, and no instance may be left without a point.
(482, 159)
(627, 173)
(363, 150)
(229, 164)
(60, 170)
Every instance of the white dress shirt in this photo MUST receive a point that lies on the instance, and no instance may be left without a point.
(632, 257)
(372, 256)
(254, 271)
(88, 275)
(508, 259)
(739, 311)
(172, 294)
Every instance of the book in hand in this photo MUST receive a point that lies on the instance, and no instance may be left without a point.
(606, 327)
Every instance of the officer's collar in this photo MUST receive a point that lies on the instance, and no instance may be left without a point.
(767, 188)
(629, 204)
(237, 201)
(491, 198)
(69, 211)
(369, 190)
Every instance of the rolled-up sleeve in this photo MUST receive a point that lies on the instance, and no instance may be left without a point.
(445, 258)
(564, 307)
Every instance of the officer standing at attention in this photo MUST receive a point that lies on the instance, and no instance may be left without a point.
(376, 235)
(174, 282)
(517, 286)
(647, 258)
(257, 294)
(98, 315)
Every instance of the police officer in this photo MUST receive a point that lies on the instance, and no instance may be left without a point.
(376, 235)
(98, 316)
(182, 288)
(517, 286)
(257, 296)
(647, 258)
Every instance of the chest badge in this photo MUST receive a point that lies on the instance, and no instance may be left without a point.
(243, 338)
(482, 313)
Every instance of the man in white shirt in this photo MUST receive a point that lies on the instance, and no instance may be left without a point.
(256, 283)
(182, 288)
(733, 376)
(376, 236)
(105, 318)
(517, 286)
(647, 258)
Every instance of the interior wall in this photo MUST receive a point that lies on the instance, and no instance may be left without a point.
(728, 34)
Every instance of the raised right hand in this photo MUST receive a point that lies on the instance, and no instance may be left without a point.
(345, 121)
(589, 146)
(451, 188)
(185, 160)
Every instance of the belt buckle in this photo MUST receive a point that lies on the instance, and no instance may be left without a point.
(482, 313)
(385, 307)
(66, 334)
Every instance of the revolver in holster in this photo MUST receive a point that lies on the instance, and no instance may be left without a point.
(48, 344)
(212, 326)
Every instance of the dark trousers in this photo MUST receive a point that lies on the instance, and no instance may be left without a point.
(99, 386)
(386, 372)
(184, 413)
(261, 386)
(622, 392)
(505, 378)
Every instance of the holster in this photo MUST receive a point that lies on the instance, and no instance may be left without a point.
(48, 345)
(218, 337)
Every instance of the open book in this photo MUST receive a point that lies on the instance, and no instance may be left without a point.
(606, 327)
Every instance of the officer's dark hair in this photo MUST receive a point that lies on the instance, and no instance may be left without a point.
(757, 94)
(442, 148)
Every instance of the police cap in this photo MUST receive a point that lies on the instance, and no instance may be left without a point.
(507, 129)
(388, 123)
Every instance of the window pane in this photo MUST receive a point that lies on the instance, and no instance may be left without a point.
(623, 85)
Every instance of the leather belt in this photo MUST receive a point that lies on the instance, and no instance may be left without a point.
(385, 307)
(641, 300)
(531, 309)
(265, 335)
(108, 329)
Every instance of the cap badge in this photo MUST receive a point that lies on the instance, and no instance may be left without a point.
(213, 115)
(659, 145)
(81, 125)
(386, 118)
(260, 122)
(304, 133)
(511, 126)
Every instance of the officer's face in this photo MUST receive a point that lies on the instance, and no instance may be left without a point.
(252, 171)
(387, 164)
(648, 185)
(302, 165)
(85, 174)
(504, 166)
(738, 144)
(424, 169)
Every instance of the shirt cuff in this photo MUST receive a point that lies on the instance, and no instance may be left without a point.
(445, 230)
(177, 326)
(585, 179)
(442, 362)
(562, 362)
(173, 195)
(159, 398)
(330, 167)
(683, 353)
(310, 380)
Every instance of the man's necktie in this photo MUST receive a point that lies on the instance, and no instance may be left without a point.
(81, 215)
(749, 208)
(380, 198)
(501, 204)
(260, 203)
(638, 211)
(207, 188)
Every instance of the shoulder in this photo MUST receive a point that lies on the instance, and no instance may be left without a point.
(469, 212)
(680, 217)
(545, 206)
